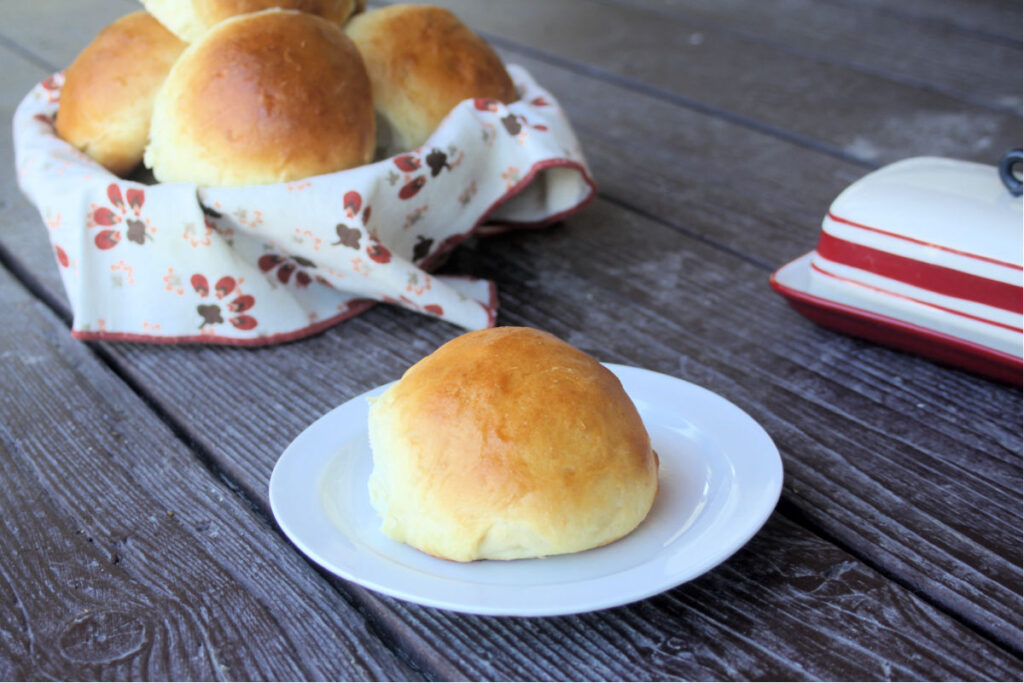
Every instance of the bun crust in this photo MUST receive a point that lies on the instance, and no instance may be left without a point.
(422, 62)
(190, 19)
(267, 97)
(107, 99)
(509, 443)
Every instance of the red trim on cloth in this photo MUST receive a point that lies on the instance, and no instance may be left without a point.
(355, 308)
(505, 226)
(940, 247)
(934, 278)
(508, 225)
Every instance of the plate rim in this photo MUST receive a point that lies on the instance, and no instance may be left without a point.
(770, 458)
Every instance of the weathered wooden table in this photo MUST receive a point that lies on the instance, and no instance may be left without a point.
(138, 541)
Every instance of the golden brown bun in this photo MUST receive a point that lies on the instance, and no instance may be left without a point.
(422, 62)
(267, 97)
(190, 19)
(509, 443)
(108, 93)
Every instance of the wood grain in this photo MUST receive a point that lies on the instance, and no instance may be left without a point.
(899, 551)
(126, 559)
(786, 607)
(745, 191)
(566, 648)
(829, 107)
(898, 46)
(993, 18)
(807, 432)
(52, 33)
(867, 461)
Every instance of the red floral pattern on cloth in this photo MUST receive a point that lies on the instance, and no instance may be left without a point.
(212, 314)
(179, 263)
(124, 211)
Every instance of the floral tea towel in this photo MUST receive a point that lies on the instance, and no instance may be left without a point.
(177, 263)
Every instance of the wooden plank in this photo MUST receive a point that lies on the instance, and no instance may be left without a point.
(787, 607)
(658, 652)
(305, 376)
(829, 107)
(995, 18)
(249, 474)
(894, 46)
(319, 372)
(928, 499)
(744, 190)
(712, 647)
(34, 28)
(360, 354)
(833, 403)
(125, 558)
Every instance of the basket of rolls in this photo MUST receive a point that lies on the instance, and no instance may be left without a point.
(255, 171)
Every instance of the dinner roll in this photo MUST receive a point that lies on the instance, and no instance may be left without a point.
(107, 98)
(189, 19)
(267, 97)
(422, 62)
(509, 443)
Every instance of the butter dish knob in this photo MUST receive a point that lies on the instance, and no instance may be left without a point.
(1009, 171)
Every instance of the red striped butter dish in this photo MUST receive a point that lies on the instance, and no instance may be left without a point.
(923, 255)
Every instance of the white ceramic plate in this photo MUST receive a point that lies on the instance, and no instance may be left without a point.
(720, 478)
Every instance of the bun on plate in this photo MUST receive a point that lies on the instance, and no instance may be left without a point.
(189, 19)
(509, 443)
(267, 97)
(422, 62)
(107, 98)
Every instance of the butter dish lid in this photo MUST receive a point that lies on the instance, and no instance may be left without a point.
(935, 203)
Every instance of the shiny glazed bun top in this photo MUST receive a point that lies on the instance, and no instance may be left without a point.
(423, 61)
(190, 19)
(267, 97)
(509, 443)
(107, 99)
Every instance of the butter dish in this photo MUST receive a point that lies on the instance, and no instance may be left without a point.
(924, 255)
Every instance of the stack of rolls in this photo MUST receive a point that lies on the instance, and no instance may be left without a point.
(250, 92)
